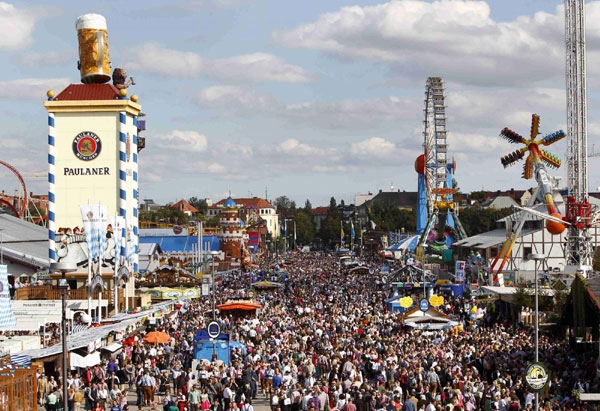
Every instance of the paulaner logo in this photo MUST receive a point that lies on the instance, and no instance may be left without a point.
(87, 146)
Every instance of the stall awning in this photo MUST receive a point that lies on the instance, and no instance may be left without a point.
(239, 305)
(112, 347)
(84, 361)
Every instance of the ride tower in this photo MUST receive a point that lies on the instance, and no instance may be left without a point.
(579, 212)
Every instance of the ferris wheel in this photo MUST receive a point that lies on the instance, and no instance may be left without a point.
(435, 145)
(436, 195)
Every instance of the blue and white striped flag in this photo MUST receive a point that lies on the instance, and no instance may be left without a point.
(130, 247)
(102, 225)
(90, 216)
(118, 223)
(7, 317)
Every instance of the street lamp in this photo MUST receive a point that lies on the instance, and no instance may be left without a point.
(62, 285)
(536, 258)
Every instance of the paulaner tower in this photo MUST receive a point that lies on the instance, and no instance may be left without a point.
(93, 147)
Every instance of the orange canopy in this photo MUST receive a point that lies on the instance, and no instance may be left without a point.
(157, 337)
(239, 305)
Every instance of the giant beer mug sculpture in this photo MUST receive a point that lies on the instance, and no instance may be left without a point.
(94, 64)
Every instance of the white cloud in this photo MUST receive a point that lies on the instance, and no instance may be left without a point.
(294, 147)
(12, 143)
(184, 140)
(31, 88)
(477, 144)
(45, 59)
(350, 113)
(235, 97)
(458, 38)
(380, 151)
(16, 27)
(231, 149)
(253, 68)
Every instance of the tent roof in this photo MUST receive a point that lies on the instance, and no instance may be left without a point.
(416, 315)
(24, 242)
(239, 305)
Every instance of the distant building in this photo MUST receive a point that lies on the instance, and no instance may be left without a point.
(499, 202)
(319, 216)
(251, 210)
(360, 199)
(186, 207)
(149, 205)
(484, 198)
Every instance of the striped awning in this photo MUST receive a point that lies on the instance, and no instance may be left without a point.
(20, 359)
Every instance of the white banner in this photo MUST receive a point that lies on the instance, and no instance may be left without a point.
(118, 224)
(7, 318)
(459, 276)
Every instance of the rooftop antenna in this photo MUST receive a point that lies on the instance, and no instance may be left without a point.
(266, 194)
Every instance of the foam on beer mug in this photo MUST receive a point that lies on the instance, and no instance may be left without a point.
(93, 48)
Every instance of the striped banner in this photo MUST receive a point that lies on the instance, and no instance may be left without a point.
(135, 198)
(7, 317)
(20, 359)
(51, 198)
(123, 170)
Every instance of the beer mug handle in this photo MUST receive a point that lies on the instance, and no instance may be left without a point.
(101, 49)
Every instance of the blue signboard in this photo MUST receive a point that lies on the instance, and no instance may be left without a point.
(424, 304)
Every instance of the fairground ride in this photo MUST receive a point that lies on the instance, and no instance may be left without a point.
(580, 216)
(437, 217)
(21, 205)
(535, 166)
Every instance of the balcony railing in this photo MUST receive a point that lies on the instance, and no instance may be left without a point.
(51, 293)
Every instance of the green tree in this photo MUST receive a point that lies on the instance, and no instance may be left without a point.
(285, 207)
(308, 207)
(522, 297)
(332, 204)
(305, 227)
(476, 220)
(455, 186)
(199, 203)
(330, 229)
(596, 263)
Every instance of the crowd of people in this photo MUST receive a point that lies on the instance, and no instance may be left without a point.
(325, 342)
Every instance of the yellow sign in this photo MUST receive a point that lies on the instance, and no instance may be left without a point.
(406, 302)
(436, 300)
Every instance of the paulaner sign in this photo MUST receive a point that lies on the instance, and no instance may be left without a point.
(86, 171)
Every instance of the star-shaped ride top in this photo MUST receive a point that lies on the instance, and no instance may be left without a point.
(535, 154)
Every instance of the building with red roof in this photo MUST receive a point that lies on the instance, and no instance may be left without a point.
(186, 207)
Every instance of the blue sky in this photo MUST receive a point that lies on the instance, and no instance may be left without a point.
(308, 99)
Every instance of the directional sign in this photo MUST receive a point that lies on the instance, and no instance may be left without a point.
(213, 329)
